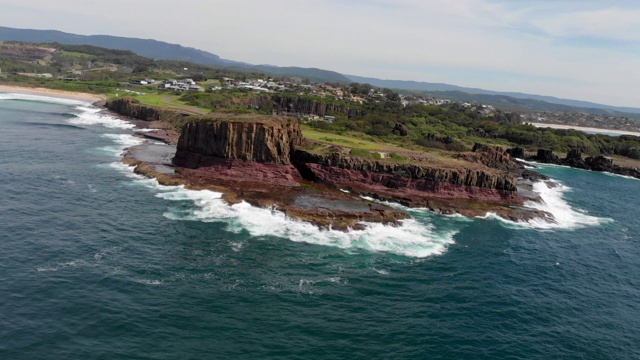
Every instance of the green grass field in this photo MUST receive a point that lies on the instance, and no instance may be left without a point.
(75, 54)
(359, 141)
(170, 101)
(362, 144)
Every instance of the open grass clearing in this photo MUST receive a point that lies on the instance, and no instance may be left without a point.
(365, 142)
(171, 102)
(355, 140)
(72, 54)
(209, 83)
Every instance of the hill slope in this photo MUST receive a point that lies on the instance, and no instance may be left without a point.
(160, 50)
(145, 47)
(431, 87)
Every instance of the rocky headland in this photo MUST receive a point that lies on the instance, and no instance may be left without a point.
(266, 161)
(575, 159)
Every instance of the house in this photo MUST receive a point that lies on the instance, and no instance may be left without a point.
(194, 88)
(179, 85)
(254, 88)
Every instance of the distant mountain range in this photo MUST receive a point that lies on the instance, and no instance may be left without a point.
(144, 47)
(446, 88)
(165, 51)
(160, 50)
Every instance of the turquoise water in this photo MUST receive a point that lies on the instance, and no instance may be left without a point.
(97, 263)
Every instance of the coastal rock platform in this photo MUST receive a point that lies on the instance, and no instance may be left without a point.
(265, 161)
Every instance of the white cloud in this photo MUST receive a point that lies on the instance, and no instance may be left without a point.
(615, 24)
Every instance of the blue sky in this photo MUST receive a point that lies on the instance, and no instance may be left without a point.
(586, 50)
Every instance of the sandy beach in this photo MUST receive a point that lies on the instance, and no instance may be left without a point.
(583, 128)
(52, 92)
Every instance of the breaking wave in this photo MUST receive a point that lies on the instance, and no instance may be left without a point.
(622, 176)
(42, 98)
(551, 201)
(413, 239)
(121, 143)
(89, 115)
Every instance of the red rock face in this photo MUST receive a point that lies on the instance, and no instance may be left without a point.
(234, 171)
(403, 189)
(421, 177)
(261, 139)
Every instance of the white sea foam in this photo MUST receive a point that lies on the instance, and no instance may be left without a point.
(418, 211)
(236, 245)
(121, 143)
(622, 176)
(87, 113)
(381, 271)
(411, 239)
(564, 216)
(42, 98)
(140, 180)
(147, 282)
(64, 265)
(90, 115)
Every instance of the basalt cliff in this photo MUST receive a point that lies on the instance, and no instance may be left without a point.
(260, 139)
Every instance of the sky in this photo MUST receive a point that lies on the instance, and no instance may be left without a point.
(576, 49)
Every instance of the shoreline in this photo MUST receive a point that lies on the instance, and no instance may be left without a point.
(93, 98)
(585, 128)
(320, 211)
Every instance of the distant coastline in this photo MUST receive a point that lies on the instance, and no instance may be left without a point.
(52, 92)
(583, 128)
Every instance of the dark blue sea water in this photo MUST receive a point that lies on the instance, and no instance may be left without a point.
(97, 263)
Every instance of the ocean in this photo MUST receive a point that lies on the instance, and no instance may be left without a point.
(99, 263)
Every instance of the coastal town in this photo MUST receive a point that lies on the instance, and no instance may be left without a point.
(362, 93)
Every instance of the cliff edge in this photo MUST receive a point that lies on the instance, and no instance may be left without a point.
(263, 139)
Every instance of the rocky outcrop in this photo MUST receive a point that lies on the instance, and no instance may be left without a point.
(397, 175)
(471, 191)
(262, 139)
(274, 140)
(493, 157)
(516, 152)
(574, 159)
(129, 107)
(546, 156)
